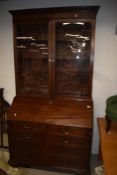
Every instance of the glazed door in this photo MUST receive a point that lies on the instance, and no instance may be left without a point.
(73, 61)
(32, 71)
(54, 58)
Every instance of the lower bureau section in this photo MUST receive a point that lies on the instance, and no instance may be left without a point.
(51, 134)
(54, 146)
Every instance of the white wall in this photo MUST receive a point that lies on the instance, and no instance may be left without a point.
(105, 61)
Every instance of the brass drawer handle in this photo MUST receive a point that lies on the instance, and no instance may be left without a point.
(15, 114)
(28, 137)
(49, 60)
(66, 141)
(27, 126)
(65, 132)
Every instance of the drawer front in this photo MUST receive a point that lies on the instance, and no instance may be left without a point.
(65, 156)
(49, 145)
(68, 131)
(62, 136)
(59, 130)
(20, 152)
(33, 132)
(69, 135)
(26, 127)
(48, 129)
(26, 132)
(48, 154)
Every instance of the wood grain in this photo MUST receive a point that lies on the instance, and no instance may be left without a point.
(108, 143)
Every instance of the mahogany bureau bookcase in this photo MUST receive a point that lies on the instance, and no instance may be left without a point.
(50, 120)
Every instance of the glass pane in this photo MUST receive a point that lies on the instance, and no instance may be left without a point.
(73, 58)
(32, 59)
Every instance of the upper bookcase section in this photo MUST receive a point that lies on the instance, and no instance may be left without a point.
(54, 51)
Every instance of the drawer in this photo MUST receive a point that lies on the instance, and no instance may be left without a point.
(64, 158)
(20, 151)
(35, 132)
(27, 138)
(23, 127)
(59, 155)
(49, 130)
(68, 140)
(69, 149)
(59, 130)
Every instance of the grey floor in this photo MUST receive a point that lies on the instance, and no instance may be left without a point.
(95, 162)
(4, 155)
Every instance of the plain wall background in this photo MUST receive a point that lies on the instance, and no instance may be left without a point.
(105, 60)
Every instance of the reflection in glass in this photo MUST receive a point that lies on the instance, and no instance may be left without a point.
(72, 58)
(32, 57)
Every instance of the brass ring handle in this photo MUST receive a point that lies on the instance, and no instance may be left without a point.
(66, 133)
(66, 141)
(27, 126)
(28, 137)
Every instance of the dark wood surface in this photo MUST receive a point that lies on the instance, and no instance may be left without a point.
(4, 107)
(84, 12)
(1, 99)
(63, 112)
